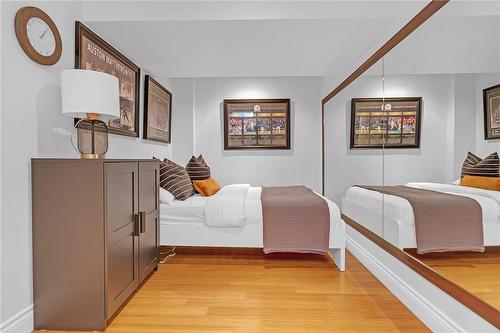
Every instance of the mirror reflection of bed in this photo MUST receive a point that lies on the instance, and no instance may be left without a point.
(437, 204)
(474, 270)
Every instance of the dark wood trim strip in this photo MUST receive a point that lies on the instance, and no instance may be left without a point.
(406, 30)
(483, 309)
(243, 251)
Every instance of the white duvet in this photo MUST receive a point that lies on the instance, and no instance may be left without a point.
(234, 206)
(238, 205)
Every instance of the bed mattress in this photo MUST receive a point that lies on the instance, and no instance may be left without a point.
(191, 210)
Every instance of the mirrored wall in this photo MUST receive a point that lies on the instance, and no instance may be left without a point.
(353, 122)
(418, 162)
(448, 214)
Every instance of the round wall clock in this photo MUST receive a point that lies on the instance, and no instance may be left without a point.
(38, 35)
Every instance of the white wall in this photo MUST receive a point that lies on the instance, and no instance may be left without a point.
(1, 39)
(432, 162)
(298, 166)
(182, 119)
(31, 126)
(30, 109)
(464, 120)
(449, 45)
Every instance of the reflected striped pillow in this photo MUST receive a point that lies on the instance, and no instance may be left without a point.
(175, 179)
(475, 166)
(197, 168)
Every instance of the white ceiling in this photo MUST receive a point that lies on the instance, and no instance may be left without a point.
(462, 38)
(447, 45)
(263, 38)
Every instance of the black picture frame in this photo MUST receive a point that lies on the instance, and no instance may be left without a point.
(491, 99)
(109, 53)
(269, 111)
(397, 110)
(150, 133)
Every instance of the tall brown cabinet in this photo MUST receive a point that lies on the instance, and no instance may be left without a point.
(95, 238)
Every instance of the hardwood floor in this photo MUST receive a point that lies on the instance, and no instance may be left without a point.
(245, 291)
(477, 273)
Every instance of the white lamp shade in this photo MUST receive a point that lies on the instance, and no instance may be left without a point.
(85, 91)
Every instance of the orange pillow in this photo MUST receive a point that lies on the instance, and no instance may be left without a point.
(206, 187)
(486, 183)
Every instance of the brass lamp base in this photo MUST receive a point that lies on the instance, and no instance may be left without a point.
(92, 157)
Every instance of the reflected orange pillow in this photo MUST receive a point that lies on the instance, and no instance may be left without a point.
(206, 187)
(485, 183)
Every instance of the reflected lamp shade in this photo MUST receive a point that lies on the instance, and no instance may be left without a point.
(93, 97)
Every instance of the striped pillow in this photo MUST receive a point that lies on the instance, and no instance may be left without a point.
(198, 169)
(175, 179)
(475, 166)
(202, 161)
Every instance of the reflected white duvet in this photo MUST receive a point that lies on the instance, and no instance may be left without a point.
(399, 210)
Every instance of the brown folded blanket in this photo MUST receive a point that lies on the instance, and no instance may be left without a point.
(443, 222)
(295, 220)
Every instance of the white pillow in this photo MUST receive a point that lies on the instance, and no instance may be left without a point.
(166, 197)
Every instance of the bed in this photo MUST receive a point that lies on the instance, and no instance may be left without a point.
(184, 223)
(396, 224)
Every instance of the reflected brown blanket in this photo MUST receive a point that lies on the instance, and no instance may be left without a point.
(295, 220)
(443, 222)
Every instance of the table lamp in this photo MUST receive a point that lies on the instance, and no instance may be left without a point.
(94, 98)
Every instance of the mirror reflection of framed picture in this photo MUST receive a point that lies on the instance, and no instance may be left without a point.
(491, 100)
(157, 111)
(256, 124)
(94, 53)
(387, 123)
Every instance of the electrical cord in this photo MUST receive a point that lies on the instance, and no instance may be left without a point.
(170, 254)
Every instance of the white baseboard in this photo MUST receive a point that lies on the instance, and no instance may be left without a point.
(436, 309)
(400, 289)
(21, 322)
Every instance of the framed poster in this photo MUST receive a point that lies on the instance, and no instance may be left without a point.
(491, 100)
(256, 124)
(392, 124)
(93, 53)
(157, 111)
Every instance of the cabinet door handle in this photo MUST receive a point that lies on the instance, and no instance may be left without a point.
(136, 224)
(143, 221)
